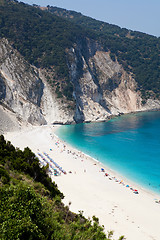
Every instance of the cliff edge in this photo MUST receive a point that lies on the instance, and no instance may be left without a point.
(101, 87)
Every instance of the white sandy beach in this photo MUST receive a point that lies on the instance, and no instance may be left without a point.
(137, 216)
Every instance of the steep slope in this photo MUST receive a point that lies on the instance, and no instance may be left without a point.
(101, 86)
(53, 71)
(137, 52)
(8, 121)
(24, 90)
(30, 202)
(21, 88)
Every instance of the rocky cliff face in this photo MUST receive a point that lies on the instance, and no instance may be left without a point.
(101, 87)
(24, 91)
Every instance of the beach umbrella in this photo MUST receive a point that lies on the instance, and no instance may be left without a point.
(136, 192)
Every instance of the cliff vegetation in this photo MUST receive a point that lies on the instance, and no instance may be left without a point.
(136, 51)
(43, 38)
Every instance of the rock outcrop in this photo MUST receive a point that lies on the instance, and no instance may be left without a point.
(25, 92)
(101, 87)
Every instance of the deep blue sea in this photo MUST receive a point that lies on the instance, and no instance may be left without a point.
(129, 144)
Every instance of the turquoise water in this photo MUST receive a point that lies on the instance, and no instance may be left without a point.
(129, 144)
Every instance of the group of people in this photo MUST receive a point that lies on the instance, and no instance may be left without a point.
(119, 181)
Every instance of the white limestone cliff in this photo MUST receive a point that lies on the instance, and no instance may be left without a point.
(25, 92)
(101, 88)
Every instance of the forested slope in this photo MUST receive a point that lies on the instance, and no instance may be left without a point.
(43, 38)
(30, 204)
(138, 52)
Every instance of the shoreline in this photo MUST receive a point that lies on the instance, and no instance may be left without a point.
(136, 216)
(111, 171)
(109, 117)
(114, 172)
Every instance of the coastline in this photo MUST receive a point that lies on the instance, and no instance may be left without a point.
(88, 189)
(130, 174)
(109, 170)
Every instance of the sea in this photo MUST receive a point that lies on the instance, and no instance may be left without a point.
(129, 145)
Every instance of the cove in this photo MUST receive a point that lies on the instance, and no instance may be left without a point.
(129, 145)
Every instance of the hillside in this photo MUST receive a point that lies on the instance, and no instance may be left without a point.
(30, 204)
(60, 66)
(136, 51)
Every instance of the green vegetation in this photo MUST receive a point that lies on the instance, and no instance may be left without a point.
(25, 162)
(30, 204)
(139, 53)
(40, 37)
(43, 38)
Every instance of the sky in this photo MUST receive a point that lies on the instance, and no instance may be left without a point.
(137, 15)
